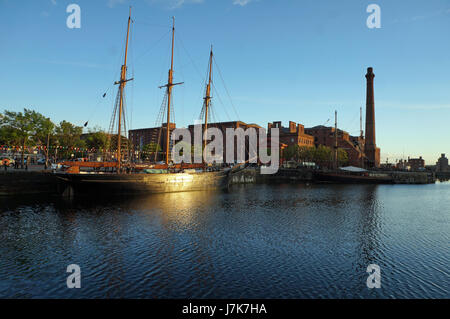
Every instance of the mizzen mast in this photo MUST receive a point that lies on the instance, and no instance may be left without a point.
(169, 86)
(207, 99)
(122, 83)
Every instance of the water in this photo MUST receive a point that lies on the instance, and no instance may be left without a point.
(260, 241)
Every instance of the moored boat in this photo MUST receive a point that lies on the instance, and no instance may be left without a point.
(120, 176)
(366, 177)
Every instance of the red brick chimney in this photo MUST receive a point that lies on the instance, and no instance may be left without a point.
(370, 148)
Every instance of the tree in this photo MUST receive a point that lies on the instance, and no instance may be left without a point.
(97, 139)
(323, 155)
(69, 137)
(149, 150)
(306, 153)
(342, 157)
(45, 133)
(291, 152)
(20, 127)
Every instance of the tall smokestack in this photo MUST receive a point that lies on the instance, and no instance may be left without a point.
(370, 148)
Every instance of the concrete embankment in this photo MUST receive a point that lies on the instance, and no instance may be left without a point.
(22, 182)
(41, 182)
(304, 175)
(287, 175)
(413, 177)
(443, 176)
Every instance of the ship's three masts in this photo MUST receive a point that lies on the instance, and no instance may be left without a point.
(168, 86)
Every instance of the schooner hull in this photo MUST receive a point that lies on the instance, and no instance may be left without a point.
(143, 183)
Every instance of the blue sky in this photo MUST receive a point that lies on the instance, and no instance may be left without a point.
(280, 60)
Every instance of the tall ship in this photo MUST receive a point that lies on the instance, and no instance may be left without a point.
(122, 176)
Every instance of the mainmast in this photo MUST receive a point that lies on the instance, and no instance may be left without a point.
(207, 103)
(169, 86)
(122, 82)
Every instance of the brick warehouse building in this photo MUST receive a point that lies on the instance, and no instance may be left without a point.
(155, 135)
(416, 163)
(292, 135)
(353, 145)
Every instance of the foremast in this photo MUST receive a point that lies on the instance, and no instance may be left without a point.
(122, 83)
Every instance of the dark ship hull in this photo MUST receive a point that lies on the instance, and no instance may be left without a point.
(345, 178)
(141, 183)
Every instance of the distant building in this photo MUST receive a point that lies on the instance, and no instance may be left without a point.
(442, 164)
(292, 135)
(353, 145)
(223, 126)
(416, 163)
(403, 165)
(155, 135)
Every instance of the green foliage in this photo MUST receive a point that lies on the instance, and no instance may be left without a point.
(97, 139)
(44, 130)
(24, 128)
(69, 135)
(291, 152)
(342, 157)
(321, 155)
(149, 150)
(19, 126)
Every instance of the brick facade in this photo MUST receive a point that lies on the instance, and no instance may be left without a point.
(292, 135)
(353, 145)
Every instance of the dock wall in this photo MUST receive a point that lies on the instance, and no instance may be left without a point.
(413, 177)
(287, 176)
(18, 183)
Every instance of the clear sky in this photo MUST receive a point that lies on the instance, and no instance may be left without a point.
(281, 60)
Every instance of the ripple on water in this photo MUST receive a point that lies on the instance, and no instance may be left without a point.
(283, 241)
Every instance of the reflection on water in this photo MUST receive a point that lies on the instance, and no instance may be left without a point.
(285, 241)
